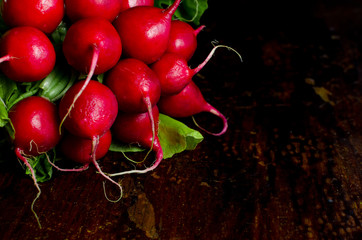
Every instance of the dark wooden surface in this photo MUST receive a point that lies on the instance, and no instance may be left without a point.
(289, 167)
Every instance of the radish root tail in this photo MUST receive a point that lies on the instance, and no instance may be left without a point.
(172, 9)
(214, 111)
(93, 65)
(95, 142)
(199, 29)
(153, 126)
(83, 168)
(198, 68)
(19, 154)
(159, 157)
(5, 58)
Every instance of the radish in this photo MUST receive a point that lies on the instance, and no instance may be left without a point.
(174, 73)
(136, 128)
(94, 112)
(79, 149)
(91, 116)
(35, 122)
(135, 85)
(93, 45)
(27, 54)
(183, 39)
(126, 4)
(79, 9)
(189, 102)
(44, 15)
(145, 31)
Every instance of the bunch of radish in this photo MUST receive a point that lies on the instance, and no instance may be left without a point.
(140, 53)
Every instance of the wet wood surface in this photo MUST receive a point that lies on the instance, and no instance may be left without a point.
(289, 166)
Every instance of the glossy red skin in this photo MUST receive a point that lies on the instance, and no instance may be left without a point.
(32, 54)
(79, 149)
(79, 9)
(184, 104)
(144, 32)
(89, 32)
(183, 39)
(136, 128)
(125, 4)
(36, 124)
(44, 15)
(131, 80)
(173, 72)
(94, 111)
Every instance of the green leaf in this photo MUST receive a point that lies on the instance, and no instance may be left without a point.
(54, 86)
(58, 36)
(8, 89)
(42, 168)
(24, 90)
(188, 11)
(100, 78)
(175, 137)
(4, 118)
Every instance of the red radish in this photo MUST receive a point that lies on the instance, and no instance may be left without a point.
(79, 9)
(183, 39)
(134, 3)
(92, 115)
(136, 128)
(135, 85)
(174, 73)
(79, 149)
(94, 112)
(35, 122)
(188, 103)
(44, 15)
(92, 40)
(93, 45)
(145, 31)
(27, 54)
